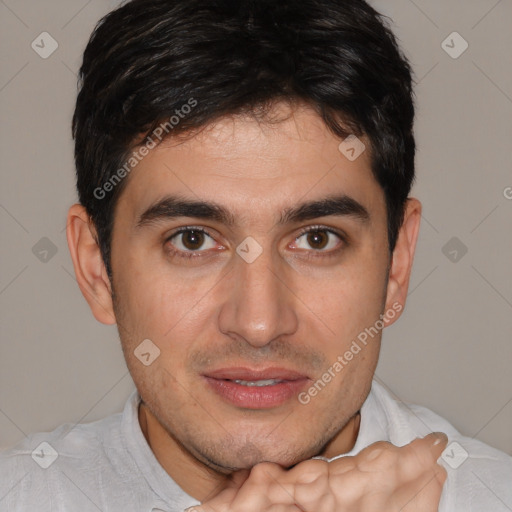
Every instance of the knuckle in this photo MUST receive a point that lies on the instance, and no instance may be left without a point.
(311, 470)
(419, 452)
(379, 455)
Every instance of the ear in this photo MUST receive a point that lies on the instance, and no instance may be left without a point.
(402, 259)
(90, 271)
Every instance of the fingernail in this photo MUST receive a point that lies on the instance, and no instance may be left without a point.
(439, 437)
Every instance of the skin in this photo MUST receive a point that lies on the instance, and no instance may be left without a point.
(380, 477)
(216, 310)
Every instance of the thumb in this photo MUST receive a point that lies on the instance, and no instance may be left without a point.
(437, 442)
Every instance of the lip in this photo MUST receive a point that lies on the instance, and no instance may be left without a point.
(254, 397)
(242, 373)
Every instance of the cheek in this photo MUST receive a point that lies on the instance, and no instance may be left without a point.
(347, 300)
(172, 312)
(152, 296)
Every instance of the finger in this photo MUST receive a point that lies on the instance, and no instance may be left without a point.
(426, 477)
(438, 442)
(306, 472)
(307, 484)
(238, 478)
(425, 452)
(423, 494)
(379, 456)
(216, 502)
(284, 508)
(262, 489)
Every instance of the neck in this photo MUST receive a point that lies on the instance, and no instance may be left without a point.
(345, 440)
(198, 479)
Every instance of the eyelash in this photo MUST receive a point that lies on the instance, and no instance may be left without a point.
(324, 254)
(311, 254)
(186, 254)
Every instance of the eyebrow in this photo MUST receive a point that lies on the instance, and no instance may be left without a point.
(171, 207)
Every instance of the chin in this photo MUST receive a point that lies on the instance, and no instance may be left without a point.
(247, 455)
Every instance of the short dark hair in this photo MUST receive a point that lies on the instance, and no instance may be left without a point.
(148, 58)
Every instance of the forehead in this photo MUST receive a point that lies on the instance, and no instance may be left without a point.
(248, 163)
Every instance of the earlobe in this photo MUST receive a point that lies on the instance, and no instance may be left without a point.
(89, 268)
(403, 256)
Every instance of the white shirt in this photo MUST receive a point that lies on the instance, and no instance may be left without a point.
(108, 466)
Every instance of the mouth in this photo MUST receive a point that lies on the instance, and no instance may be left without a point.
(256, 389)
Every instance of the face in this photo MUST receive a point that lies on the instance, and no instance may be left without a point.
(251, 299)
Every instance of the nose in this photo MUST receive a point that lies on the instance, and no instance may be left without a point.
(259, 304)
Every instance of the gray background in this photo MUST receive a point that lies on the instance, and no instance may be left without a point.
(452, 349)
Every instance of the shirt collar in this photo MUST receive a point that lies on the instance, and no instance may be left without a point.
(156, 476)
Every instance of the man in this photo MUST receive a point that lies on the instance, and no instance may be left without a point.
(243, 170)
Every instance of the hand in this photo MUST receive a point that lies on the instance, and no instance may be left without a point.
(382, 477)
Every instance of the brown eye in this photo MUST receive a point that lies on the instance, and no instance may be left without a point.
(192, 240)
(321, 240)
(317, 239)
